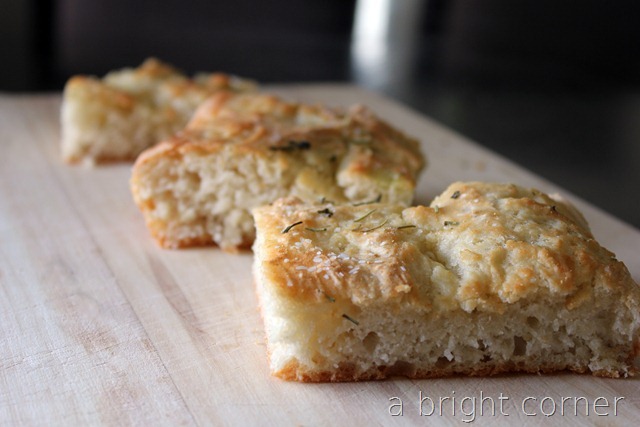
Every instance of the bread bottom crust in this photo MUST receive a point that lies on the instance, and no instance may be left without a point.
(203, 240)
(293, 371)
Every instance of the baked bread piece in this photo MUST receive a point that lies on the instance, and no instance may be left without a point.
(243, 151)
(131, 109)
(491, 278)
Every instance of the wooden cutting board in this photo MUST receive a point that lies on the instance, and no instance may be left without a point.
(100, 326)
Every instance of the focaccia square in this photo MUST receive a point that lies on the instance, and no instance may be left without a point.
(246, 150)
(490, 278)
(129, 110)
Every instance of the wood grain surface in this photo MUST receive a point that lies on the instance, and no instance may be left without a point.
(100, 326)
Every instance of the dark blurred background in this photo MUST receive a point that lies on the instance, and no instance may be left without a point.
(553, 85)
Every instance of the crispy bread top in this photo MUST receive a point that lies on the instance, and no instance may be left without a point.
(152, 84)
(479, 246)
(350, 146)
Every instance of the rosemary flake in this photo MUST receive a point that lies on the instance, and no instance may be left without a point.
(446, 223)
(402, 227)
(364, 216)
(372, 228)
(376, 200)
(328, 297)
(350, 319)
(326, 211)
(292, 146)
(289, 227)
(315, 229)
(455, 194)
(324, 200)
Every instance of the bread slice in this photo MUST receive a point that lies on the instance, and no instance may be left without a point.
(243, 151)
(129, 110)
(490, 278)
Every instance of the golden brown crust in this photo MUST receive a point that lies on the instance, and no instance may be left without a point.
(295, 372)
(264, 124)
(204, 240)
(512, 243)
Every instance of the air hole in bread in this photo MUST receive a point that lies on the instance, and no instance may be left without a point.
(533, 322)
(318, 358)
(190, 180)
(371, 341)
(519, 346)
